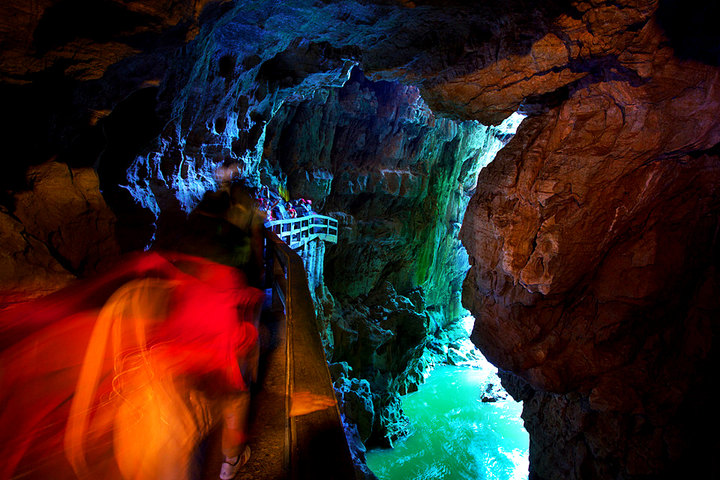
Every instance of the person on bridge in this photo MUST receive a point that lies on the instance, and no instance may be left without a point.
(304, 207)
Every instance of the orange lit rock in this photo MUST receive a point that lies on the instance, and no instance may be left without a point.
(58, 230)
(39, 34)
(592, 238)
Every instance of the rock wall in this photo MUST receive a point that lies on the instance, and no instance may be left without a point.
(593, 239)
(59, 229)
(592, 236)
(398, 179)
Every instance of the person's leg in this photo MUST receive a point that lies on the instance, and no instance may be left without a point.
(235, 424)
(236, 408)
(235, 434)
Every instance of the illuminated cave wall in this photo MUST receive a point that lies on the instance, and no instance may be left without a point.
(398, 179)
(592, 236)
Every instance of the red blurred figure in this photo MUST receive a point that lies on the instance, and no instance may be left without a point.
(121, 376)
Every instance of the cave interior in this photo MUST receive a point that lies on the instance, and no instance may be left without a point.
(586, 249)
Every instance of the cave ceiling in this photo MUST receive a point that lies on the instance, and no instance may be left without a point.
(67, 64)
(593, 235)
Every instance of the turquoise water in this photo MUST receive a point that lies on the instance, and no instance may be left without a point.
(455, 435)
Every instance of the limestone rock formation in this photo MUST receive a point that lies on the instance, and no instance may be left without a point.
(357, 404)
(592, 236)
(385, 346)
(592, 239)
(383, 154)
(55, 232)
(493, 393)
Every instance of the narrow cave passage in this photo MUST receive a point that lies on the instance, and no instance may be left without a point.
(593, 235)
(391, 306)
(462, 424)
(398, 179)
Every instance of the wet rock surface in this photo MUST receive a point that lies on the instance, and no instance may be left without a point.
(386, 352)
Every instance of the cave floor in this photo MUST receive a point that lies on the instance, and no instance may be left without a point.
(268, 419)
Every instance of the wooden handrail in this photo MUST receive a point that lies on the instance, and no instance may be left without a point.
(296, 232)
(316, 446)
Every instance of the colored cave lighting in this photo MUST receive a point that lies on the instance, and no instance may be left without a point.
(188, 181)
(492, 139)
(139, 186)
(190, 187)
(511, 124)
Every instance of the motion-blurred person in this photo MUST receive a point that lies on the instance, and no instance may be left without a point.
(249, 220)
(120, 377)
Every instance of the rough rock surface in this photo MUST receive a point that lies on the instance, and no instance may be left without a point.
(59, 230)
(593, 243)
(397, 178)
(388, 344)
(47, 33)
(593, 235)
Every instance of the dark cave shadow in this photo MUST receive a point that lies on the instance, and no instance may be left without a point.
(68, 19)
(692, 28)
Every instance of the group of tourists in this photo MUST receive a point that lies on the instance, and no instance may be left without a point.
(275, 207)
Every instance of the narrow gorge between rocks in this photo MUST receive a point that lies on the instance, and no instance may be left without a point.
(549, 167)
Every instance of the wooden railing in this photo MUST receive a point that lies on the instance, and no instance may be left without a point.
(316, 447)
(296, 232)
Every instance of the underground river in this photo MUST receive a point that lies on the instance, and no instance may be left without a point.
(455, 435)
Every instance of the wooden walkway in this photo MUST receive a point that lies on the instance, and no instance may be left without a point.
(310, 443)
(298, 231)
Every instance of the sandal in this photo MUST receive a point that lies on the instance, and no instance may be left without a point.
(231, 466)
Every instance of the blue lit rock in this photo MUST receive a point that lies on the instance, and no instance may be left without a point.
(358, 412)
(357, 405)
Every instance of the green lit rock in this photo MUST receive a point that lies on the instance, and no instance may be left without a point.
(357, 403)
(391, 424)
(400, 180)
(397, 178)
